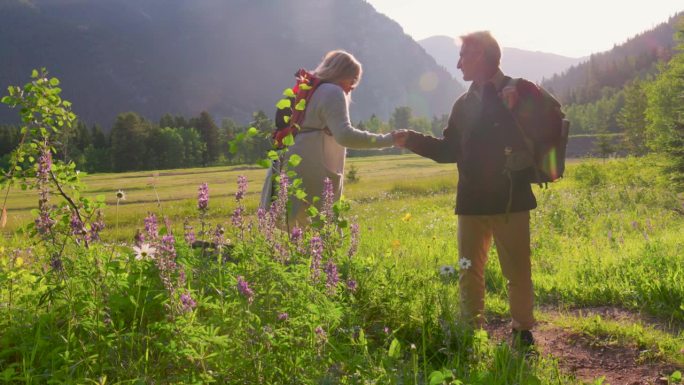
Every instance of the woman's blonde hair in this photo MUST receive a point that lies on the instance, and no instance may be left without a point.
(339, 65)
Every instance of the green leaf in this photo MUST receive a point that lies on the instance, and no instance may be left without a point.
(54, 82)
(301, 105)
(34, 73)
(294, 160)
(676, 377)
(300, 194)
(286, 119)
(284, 103)
(288, 140)
(265, 163)
(272, 155)
(394, 349)
(304, 87)
(436, 378)
(289, 93)
(252, 132)
(6, 100)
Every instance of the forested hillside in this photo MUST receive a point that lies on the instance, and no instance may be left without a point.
(228, 57)
(609, 71)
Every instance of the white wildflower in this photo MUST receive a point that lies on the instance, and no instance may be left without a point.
(464, 263)
(447, 271)
(144, 251)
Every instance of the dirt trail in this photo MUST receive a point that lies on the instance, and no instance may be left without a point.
(587, 360)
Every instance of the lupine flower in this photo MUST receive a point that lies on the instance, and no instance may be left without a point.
(187, 302)
(168, 246)
(236, 219)
(282, 252)
(189, 234)
(316, 256)
(464, 263)
(328, 199)
(242, 188)
(283, 316)
(145, 251)
(278, 207)
(266, 224)
(77, 227)
(97, 226)
(296, 234)
(219, 239)
(203, 197)
(44, 164)
(243, 288)
(139, 238)
(320, 333)
(351, 285)
(151, 227)
(56, 263)
(332, 277)
(44, 222)
(354, 235)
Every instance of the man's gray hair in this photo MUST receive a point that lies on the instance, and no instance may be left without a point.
(484, 40)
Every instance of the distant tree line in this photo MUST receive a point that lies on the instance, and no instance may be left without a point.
(135, 143)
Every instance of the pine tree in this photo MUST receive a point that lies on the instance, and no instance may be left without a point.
(209, 132)
(632, 118)
(128, 142)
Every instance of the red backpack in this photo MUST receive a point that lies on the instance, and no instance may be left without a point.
(292, 109)
(541, 122)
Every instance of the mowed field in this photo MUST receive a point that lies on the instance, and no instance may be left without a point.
(607, 241)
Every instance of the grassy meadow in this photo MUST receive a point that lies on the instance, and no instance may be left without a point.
(608, 234)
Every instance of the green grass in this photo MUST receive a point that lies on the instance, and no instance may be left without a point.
(608, 234)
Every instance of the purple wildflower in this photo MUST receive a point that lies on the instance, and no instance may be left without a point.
(168, 246)
(44, 222)
(296, 234)
(44, 164)
(189, 234)
(242, 188)
(332, 278)
(266, 224)
(243, 288)
(278, 207)
(282, 254)
(354, 235)
(219, 239)
(320, 333)
(77, 227)
(97, 226)
(351, 285)
(151, 227)
(139, 238)
(203, 197)
(56, 263)
(283, 316)
(328, 199)
(316, 245)
(236, 219)
(187, 302)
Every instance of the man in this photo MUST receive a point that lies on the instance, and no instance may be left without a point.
(494, 196)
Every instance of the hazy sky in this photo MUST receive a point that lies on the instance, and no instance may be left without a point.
(572, 28)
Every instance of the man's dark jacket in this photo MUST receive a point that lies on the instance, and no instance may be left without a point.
(480, 131)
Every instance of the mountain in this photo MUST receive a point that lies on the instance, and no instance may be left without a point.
(532, 65)
(604, 73)
(229, 57)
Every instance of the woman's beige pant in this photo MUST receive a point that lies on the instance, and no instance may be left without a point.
(511, 233)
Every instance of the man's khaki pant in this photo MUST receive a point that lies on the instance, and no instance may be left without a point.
(512, 238)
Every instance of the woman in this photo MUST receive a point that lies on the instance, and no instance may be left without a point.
(326, 132)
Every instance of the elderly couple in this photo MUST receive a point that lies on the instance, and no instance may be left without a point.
(490, 204)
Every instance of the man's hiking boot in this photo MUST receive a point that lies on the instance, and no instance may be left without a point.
(522, 339)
